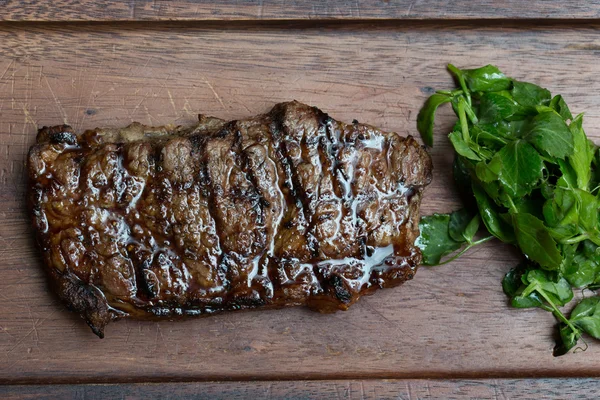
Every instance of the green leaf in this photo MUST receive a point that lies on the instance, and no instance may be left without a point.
(522, 296)
(563, 232)
(435, 240)
(530, 95)
(493, 191)
(569, 177)
(535, 241)
(588, 210)
(488, 172)
(540, 109)
(511, 282)
(533, 299)
(550, 135)
(581, 271)
(552, 213)
(590, 250)
(426, 116)
(568, 339)
(490, 140)
(547, 190)
(459, 220)
(461, 147)
(494, 107)
(586, 316)
(565, 203)
(521, 168)
(583, 153)
(481, 151)
(472, 228)
(463, 225)
(486, 79)
(560, 291)
(491, 217)
(512, 285)
(532, 204)
(558, 104)
(508, 130)
(572, 211)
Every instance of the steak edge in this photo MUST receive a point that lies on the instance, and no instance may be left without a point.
(286, 208)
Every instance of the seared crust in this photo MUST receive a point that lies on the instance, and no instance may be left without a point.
(286, 208)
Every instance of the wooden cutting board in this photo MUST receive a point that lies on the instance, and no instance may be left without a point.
(450, 322)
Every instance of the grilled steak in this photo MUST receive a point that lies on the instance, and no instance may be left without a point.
(286, 208)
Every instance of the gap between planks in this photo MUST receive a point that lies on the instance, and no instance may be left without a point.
(276, 24)
(344, 377)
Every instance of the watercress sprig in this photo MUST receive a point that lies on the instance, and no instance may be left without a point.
(528, 172)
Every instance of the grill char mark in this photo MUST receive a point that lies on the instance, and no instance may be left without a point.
(295, 240)
(239, 215)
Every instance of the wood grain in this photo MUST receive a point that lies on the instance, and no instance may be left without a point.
(450, 322)
(320, 390)
(202, 10)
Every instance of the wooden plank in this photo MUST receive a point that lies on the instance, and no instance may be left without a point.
(447, 322)
(196, 10)
(321, 390)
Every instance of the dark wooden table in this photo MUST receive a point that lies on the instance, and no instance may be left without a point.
(447, 334)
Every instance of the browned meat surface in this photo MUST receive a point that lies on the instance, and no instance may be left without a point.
(286, 208)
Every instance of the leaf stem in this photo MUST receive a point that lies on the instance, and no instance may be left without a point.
(461, 80)
(463, 251)
(446, 92)
(495, 138)
(513, 208)
(464, 124)
(575, 239)
(471, 113)
(592, 236)
(557, 312)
